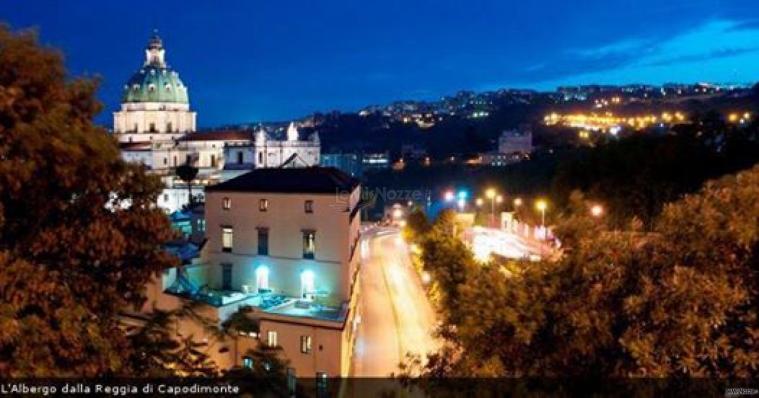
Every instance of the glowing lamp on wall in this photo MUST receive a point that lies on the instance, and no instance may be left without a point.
(262, 277)
(307, 283)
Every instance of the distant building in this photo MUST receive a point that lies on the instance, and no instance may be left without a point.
(349, 163)
(413, 152)
(513, 146)
(497, 159)
(283, 244)
(156, 128)
(375, 161)
(155, 104)
(264, 152)
(515, 141)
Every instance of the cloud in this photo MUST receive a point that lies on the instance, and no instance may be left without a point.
(718, 50)
(723, 53)
(620, 48)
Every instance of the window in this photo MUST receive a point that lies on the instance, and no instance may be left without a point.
(168, 127)
(175, 160)
(136, 128)
(239, 157)
(263, 241)
(271, 338)
(305, 344)
(152, 127)
(263, 205)
(321, 384)
(260, 158)
(226, 203)
(247, 362)
(165, 197)
(213, 160)
(226, 277)
(165, 161)
(226, 239)
(308, 206)
(291, 382)
(309, 244)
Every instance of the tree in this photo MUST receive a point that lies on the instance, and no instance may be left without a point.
(678, 300)
(187, 173)
(80, 235)
(449, 262)
(417, 225)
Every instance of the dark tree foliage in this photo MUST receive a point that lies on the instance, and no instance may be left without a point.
(267, 375)
(678, 300)
(417, 225)
(635, 176)
(187, 173)
(80, 235)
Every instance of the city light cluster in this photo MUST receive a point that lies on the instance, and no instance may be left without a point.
(608, 122)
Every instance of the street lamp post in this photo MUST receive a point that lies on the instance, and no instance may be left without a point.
(490, 193)
(541, 205)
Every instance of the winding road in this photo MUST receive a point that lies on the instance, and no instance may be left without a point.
(396, 317)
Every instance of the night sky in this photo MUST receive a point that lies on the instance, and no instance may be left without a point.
(265, 60)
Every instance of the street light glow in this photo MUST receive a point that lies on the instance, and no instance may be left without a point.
(541, 205)
(517, 202)
(499, 199)
(490, 193)
(426, 278)
(449, 196)
(596, 211)
(479, 202)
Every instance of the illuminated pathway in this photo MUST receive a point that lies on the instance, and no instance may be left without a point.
(396, 316)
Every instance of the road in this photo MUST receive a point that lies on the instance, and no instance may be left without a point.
(485, 241)
(396, 317)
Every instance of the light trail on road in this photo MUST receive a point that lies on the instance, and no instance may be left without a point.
(396, 316)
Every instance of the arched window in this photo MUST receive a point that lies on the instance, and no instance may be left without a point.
(260, 157)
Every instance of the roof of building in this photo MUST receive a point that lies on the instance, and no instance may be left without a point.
(220, 135)
(155, 81)
(289, 180)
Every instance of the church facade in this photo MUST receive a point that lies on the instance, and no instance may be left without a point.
(156, 127)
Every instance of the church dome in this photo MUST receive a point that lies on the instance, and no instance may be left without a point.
(155, 81)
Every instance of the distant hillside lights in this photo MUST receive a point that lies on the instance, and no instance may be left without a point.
(608, 122)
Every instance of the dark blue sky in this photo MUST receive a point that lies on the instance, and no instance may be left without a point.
(265, 60)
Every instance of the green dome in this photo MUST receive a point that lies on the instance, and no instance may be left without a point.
(155, 81)
(155, 84)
